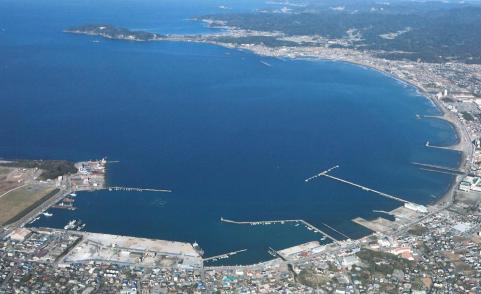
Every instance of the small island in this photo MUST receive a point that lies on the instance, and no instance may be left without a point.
(115, 33)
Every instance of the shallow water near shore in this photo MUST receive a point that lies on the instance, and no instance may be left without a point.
(230, 136)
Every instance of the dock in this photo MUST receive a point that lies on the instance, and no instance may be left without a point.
(321, 174)
(67, 207)
(439, 168)
(270, 222)
(325, 174)
(367, 189)
(224, 256)
(337, 231)
(129, 189)
(429, 145)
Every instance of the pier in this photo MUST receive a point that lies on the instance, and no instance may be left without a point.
(429, 145)
(224, 256)
(270, 222)
(325, 174)
(438, 168)
(366, 189)
(128, 189)
(321, 174)
(337, 231)
(383, 211)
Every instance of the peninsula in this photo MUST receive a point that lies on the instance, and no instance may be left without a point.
(115, 33)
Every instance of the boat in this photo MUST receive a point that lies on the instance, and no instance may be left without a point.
(73, 194)
(47, 214)
(71, 224)
(81, 227)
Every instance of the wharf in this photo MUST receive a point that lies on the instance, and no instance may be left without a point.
(439, 168)
(325, 174)
(270, 222)
(224, 256)
(367, 189)
(129, 189)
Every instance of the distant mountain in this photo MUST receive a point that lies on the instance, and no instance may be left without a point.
(429, 31)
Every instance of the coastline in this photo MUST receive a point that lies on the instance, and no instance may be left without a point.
(463, 144)
(448, 196)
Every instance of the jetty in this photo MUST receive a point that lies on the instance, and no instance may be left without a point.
(367, 189)
(321, 174)
(129, 189)
(224, 256)
(270, 222)
(364, 188)
(429, 145)
(337, 231)
(439, 168)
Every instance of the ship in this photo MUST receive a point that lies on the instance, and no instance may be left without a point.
(73, 194)
(47, 214)
(71, 224)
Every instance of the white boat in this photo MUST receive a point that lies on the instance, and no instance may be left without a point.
(47, 214)
(71, 224)
(73, 194)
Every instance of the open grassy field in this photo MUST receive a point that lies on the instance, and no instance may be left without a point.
(6, 182)
(22, 200)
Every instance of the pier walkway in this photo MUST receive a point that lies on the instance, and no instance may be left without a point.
(325, 174)
(367, 189)
(224, 256)
(438, 168)
(337, 231)
(321, 174)
(270, 222)
(138, 189)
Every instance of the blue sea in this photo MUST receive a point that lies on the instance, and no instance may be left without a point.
(230, 136)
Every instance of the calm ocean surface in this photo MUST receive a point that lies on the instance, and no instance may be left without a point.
(229, 135)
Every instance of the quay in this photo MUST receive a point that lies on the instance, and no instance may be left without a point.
(392, 214)
(270, 222)
(224, 256)
(67, 207)
(129, 189)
